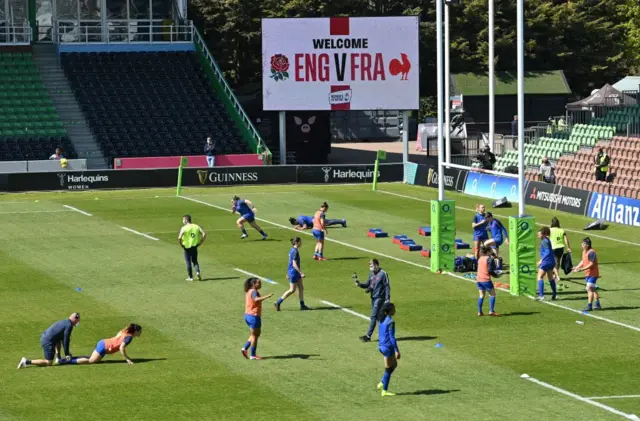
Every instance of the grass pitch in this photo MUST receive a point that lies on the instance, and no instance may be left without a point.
(189, 365)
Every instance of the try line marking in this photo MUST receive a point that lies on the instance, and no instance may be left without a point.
(397, 259)
(140, 234)
(590, 401)
(77, 210)
(505, 216)
(256, 276)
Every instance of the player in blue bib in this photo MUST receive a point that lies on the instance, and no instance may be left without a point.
(388, 345)
(546, 264)
(247, 210)
(479, 225)
(304, 222)
(499, 234)
(294, 275)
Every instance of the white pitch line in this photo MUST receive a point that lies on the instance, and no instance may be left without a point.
(595, 398)
(140, 234)
(256, 276)
(37, 211)
(346, 310)
(580, 398)
(77, 210)
(397, 259)
(505, 216)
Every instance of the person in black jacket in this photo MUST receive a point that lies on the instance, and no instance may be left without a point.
(210, 152)
(378, 286)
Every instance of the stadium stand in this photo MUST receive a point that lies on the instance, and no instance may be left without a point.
(150, 104)
(30, 128)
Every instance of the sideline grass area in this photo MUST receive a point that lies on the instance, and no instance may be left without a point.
(315, 368)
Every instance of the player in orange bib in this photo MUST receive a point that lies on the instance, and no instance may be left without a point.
(112, 345)
(320, 231)
(589, 265)
(253, 315)
(486, 268)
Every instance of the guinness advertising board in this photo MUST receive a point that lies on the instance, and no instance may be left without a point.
(428, 175)
(555, 197)
(332, 174)
(233, 176)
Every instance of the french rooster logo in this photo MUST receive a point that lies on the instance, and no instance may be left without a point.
(397, 67)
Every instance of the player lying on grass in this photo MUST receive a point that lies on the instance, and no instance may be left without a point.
(111, 346)
(247, 210)
(57, 333)
(253, 315)
(486, 268)
(303, 222)
(387, 345)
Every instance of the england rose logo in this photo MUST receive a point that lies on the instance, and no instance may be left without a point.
(279, 67)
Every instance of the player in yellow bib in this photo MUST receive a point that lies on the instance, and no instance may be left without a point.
(191, 236)
(558, 239)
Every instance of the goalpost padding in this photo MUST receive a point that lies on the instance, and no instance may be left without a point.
(443, 235)
(522, 255)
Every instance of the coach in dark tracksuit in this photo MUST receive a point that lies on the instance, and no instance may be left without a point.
(59, 332)
(380, 290)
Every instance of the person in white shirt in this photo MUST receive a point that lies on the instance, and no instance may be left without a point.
(546, 171)
(57, 155)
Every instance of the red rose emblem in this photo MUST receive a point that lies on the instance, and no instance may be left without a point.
(279, 66)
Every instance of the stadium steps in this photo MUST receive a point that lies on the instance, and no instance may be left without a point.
(65, 103)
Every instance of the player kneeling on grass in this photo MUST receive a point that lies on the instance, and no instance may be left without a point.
(253, 315)
(589, 265)
(387, 345)
(486, 268)
(247, 211)
(191, 237)
(59, 332)
(294, 275)
(111, 346)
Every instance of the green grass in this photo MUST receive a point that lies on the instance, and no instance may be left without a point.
(316, 369)
(546, 82)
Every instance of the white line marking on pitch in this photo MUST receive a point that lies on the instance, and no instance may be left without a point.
(256, 276)
(346, 310)
(397, 259)
(140, 234)
(595, 398)
(36, 211)
(580, 398)
(77, 210)
(505, 216)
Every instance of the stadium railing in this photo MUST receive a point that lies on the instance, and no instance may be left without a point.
(15, 35)
(123, 32)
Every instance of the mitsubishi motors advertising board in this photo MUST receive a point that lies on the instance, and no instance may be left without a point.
(340, 63)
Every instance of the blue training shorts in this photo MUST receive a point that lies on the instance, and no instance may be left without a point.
(48, 349)
(318, 235)
(485, 286)
(254, 322)
(387, 352)
(482, 237)
(547, 267)
(249, 217)
(499, 241)
(591, 280)
(294, 277)
(101, 348)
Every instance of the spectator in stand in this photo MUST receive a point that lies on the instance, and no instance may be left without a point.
(602, 164)
(57, 155)
(514, 126)
(547, 174)
(486, 158)
(210, 152)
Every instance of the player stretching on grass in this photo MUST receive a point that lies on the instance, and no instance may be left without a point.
(294, 275)
(190, 237)
(50, 342)
(111, 346)
(247, 210)
(320, 231)
(252, 315)
(499, 234)
(486, 265)
(589, 265)
(388, 346)
(303, 222)
(546, 264)
(479, 225)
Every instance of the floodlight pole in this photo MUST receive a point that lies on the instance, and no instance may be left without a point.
(520, 42)
(282, 123)
(447, 85)
(440, 82)
(492, 99)
(405, 137)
